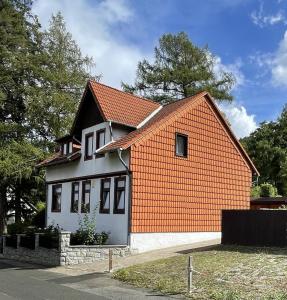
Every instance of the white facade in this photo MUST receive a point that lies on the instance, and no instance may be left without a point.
(93, 170)
(142, 242)
(117, 225)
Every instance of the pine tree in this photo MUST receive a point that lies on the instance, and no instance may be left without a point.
(180, 69)
(19, 56)
(66, 72)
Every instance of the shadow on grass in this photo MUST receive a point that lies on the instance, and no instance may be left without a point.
(241, 249)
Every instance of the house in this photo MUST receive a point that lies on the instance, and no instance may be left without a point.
(268, 202)
(157, 175)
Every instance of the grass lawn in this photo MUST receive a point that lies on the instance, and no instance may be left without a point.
(221, 272)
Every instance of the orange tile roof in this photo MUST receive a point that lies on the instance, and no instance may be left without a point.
(161, 117)
(169, 112)
(121, 107)
(58, 158)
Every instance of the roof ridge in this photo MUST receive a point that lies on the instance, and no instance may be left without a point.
(123, 92)
(186, 98)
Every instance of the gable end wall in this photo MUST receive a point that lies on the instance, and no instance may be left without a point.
(172, 194)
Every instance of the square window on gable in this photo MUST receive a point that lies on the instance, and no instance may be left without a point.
(181, 144)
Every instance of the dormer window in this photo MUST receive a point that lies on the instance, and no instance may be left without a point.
(100, 142)
(89, 146)
(67, 148)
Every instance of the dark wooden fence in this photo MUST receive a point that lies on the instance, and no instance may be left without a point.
(254, 227)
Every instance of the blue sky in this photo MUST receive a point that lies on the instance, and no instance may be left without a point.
(247, 37)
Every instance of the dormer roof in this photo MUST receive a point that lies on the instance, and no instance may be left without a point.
(117, 106)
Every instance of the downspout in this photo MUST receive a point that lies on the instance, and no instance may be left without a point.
(119, 152)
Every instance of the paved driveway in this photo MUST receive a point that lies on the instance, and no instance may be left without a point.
(29, 282)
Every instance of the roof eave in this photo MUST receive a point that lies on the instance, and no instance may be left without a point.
(230, 131)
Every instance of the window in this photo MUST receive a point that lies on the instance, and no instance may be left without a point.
(67, 148)
(181, 142)
(100, 140)
(75, 197)
(86, 191)
(119, 203)
(70, 147)
(89, 146)
(56, 198)
(105, 196)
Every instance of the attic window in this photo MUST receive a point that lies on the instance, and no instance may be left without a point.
(100, 140)
(181, 143)
(89, 146)
(67, 148)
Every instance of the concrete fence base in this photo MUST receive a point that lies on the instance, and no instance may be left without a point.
(64, 255)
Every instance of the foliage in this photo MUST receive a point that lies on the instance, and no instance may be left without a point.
(66, 72)
(180, 69)
(267, 147)
(40, 206)
(264, 190)
(86, 234)
(39, 219)
(255, 191)
(268, 190)
(42, 75)
(17, 228)
(101, 238)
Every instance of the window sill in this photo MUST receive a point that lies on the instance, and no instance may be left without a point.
(88, 157)
(119, 212)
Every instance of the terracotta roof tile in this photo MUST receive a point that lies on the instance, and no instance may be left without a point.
(121, 107)
(58, 158)
(165, 113)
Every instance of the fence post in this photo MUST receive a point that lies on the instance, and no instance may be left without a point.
(189, 268)
(36, 241)
(18, 240)
(3, 244)
(110, 260)
(64, 244)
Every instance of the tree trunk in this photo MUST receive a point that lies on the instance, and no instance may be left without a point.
(18, 204)
(3, 209)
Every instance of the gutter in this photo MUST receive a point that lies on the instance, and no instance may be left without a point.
(129, 174)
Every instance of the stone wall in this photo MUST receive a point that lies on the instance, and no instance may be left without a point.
(65, 255)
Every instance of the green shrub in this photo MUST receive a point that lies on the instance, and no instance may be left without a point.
(255, 191)
(86, 234)
(39, 219)
(268, 190)
(17, 228)
(264, 190)
(101, 238)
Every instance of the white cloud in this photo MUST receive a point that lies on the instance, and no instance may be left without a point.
(92, 27)
(273, 64)
(241, 122)
(234, 68)
(279, 64)
(261, 19)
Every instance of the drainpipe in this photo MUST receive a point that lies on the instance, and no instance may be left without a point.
(111, 130)
(119, 152)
